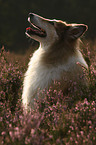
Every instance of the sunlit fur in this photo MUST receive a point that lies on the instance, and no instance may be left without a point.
(55, 59)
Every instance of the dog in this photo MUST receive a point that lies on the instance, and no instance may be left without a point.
(58, 57)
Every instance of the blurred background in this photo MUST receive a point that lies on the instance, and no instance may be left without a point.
(13, 18)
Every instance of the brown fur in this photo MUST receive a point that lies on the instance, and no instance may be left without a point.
(62, 49)
(55, 60)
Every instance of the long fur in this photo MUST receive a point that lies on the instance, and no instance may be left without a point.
(52, 61)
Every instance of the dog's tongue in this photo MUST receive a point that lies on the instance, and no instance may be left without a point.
(28, 29)
(35, 31)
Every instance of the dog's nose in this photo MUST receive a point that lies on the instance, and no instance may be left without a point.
(30, 15)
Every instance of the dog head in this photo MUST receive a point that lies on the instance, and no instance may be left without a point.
(48, 31)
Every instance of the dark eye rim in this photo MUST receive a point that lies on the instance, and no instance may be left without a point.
(51, 22)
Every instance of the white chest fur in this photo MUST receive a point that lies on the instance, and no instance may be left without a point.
(41, 76)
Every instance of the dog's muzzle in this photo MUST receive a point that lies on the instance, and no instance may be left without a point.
(34, 29)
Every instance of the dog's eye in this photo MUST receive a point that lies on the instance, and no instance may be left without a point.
(51, 22)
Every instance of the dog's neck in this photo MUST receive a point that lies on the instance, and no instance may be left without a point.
(58, 53)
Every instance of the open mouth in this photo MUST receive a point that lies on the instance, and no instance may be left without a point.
(35, 30)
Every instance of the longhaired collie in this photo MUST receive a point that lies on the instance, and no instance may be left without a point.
(57, 59)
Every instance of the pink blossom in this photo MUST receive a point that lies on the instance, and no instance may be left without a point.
(82, 133)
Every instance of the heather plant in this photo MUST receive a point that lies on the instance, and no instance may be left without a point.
(10, 80)
(57, 119)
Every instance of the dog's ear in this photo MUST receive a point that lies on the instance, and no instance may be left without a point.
(77, 30)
